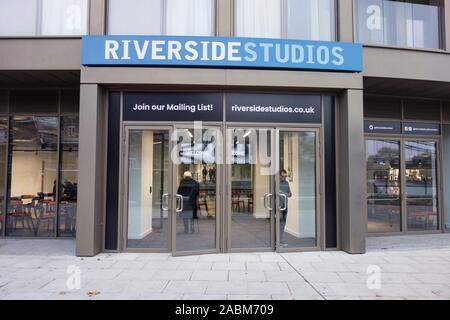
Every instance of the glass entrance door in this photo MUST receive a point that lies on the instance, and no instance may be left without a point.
(251, 175)
(196, 185)
(172, 180)
(174, 185)
(148, 176)
(402, 185)
(421, 185)
(384, 187)
(297, 189)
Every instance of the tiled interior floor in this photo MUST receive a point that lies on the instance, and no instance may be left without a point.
(246, 232)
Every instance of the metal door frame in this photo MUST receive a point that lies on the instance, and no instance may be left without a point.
(404, 194)
(218, 206)
(228, 197)
(403, 213)
(125, 185)
(318, 187)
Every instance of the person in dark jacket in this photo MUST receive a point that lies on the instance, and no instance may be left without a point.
(189, 189)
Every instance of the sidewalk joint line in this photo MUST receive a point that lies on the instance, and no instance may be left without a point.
(298, 272)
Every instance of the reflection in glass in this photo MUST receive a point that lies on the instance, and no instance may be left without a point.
(3, 151)
(297, 190)
(251, 189)
(421, 185)
(32, 186)
(446, 174)
(291, 19)
(43, 17)
(161, 17)
(196, 186)
(400, 23)
(148, 177)
(383, 186)
(69, 176)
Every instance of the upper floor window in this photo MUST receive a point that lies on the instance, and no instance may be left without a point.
(161, 17)
(43, 17)
(291, 19)
(415, 24)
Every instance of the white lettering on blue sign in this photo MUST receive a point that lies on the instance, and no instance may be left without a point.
(221, 52)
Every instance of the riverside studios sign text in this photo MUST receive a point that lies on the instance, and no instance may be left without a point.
(221, 53)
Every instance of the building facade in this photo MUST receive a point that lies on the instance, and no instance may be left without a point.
(208, 158)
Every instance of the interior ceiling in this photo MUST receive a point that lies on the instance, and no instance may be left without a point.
(407, 88)
(41, 78)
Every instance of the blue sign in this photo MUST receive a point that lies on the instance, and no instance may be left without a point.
(221, 53)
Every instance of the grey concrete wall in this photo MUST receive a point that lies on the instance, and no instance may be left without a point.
(225, 21)
(97, 20)
(406, 64)
(221, 77)
(345, 20)
(91, 179)
(40, 54)
(352, 185)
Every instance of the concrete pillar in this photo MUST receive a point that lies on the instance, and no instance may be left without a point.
(351, 168)
(446, 27)
(91, 180)
(225, 18)
(97, 17)
(345, 21)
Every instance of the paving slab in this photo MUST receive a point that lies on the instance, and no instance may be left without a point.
(411, 268)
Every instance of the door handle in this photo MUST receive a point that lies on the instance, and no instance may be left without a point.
(179, 208)
(266, 196)
(282, 195)
(165, 201)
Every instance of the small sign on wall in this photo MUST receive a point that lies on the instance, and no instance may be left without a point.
(424, 129)
(384, 127)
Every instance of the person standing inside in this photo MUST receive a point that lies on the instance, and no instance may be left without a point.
(285, 190)
(189, 189)
(204, 173)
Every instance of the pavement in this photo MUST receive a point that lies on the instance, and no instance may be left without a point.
(406, 267)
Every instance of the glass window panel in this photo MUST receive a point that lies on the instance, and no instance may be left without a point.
(32, 177)
(148, 189)
(446, 174)
(3, 159)
(64, 17)
(190, 17)
(33, 102)
(369, 21)
(3, 102)
(425, 28)
(416, 109)
(421, 185)
(311, 19)
(398, 24)
(297, 190)
(18, 17)
(251, 185)
(135, 17)
(258, 18)
(43, 17)
(70, 102)
(69, 176)
(401, 23)
(196, 189)
(383, 186)
(382, 107)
